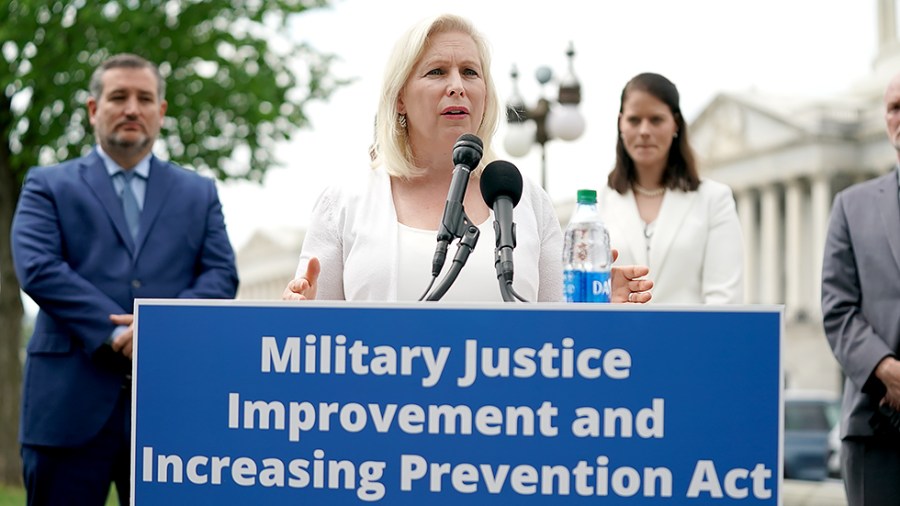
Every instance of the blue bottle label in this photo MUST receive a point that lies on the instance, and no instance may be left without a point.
(581, 286)
(572, 285)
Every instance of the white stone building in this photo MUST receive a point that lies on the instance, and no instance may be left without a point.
(267, 262)
(786, 158)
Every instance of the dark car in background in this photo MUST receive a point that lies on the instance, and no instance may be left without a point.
(809, 418)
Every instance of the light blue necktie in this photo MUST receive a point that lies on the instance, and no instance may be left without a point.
(130, 205)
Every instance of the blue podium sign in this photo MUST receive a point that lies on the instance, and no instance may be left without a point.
(314, 403)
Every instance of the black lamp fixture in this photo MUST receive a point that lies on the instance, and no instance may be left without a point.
(547, 120)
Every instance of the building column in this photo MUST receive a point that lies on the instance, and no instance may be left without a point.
(746, 207)
(794, 270)
(887, 24)
(770, 263)
(821, 209)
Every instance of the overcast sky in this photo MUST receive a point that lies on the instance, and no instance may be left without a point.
(809, 48)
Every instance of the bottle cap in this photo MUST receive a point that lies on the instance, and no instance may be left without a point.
(587, 196)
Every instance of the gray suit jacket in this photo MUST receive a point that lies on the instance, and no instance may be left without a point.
(861, 292)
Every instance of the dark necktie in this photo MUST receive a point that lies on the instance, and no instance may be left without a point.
(130, 205)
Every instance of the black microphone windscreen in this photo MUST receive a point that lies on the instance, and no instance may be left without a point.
(467, 151)
(501, 178)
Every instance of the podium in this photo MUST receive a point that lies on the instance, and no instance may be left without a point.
(358, 403)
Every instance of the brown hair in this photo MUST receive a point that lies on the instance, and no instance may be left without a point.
(681, 169)
(130, 61)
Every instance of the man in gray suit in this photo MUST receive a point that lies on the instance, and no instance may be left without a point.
(861, 313)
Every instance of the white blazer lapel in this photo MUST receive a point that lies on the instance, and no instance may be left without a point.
(674, 209)
(378, 218)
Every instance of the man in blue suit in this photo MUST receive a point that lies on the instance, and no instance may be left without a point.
(89, 236)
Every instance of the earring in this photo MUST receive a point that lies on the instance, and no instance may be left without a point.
(675, 135)
(401, 119)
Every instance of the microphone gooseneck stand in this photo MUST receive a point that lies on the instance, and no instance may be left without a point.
(466, 244)
(454, 223)
(503, 263)
(501, 188)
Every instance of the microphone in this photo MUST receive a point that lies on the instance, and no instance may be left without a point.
(466, 156)
(501, 188)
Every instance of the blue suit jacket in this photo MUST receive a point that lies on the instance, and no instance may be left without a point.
(74, 256)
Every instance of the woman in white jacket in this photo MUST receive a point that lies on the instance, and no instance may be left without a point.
(658, 210)
(374, 238)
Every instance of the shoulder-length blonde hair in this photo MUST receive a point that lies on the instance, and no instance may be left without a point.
(391, 148)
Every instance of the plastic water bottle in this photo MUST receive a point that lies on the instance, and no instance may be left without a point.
(587, 259)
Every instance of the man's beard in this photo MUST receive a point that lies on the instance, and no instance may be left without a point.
(115, 142)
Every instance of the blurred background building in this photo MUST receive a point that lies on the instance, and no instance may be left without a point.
(786, 158)
(267, 261)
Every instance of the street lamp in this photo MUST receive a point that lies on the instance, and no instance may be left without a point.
(527, 126)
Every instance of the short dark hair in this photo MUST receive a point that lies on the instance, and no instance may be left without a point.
(681, 169)
(129, 61)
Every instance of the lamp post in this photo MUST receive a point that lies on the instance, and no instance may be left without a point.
(545, 121)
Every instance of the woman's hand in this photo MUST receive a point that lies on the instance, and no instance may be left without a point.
(626, 283)
(304, 287)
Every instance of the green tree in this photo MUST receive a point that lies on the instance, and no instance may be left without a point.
(237, 83)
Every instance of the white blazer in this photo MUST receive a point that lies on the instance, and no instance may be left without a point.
(354, 233)
(695, 252)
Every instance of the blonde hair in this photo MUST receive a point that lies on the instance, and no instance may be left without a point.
(391, 148)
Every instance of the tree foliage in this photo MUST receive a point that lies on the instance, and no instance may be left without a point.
(237, 83)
